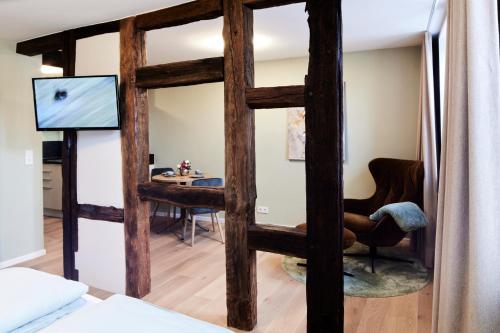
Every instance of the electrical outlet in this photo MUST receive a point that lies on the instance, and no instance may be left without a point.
(263, 210)
(28, 157)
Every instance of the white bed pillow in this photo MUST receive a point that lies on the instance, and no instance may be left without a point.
(129, 315)
(27, 294)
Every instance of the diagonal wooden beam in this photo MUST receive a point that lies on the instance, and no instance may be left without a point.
(178, 15)
(324, 174)
(262, 4)
(181, 73)
(275, 97)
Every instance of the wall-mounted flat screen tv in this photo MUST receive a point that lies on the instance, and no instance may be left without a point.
(80, 103)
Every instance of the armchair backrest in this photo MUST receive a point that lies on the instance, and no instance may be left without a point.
(396, 181)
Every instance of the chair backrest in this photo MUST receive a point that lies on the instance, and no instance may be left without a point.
(207, 182)
(396, 181)
(159, 171)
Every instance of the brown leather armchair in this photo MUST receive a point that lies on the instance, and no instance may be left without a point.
(396, 181)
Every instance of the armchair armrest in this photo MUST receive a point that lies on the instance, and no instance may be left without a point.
(357, 206)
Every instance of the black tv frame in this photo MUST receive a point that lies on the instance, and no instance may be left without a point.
(77, 128)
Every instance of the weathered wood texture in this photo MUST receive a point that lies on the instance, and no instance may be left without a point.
(240, 194)
(275, 97)
(135, 159)
(183, 196)
(181, 73)
(54, 59)
(93, 212)
(179, 15)
(277, 239)
(262, 4)
(324, 182)
(69, 162)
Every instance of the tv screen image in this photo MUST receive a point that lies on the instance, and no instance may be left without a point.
(89, 102)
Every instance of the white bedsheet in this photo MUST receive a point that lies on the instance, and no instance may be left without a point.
(129, 315)
(26, 295)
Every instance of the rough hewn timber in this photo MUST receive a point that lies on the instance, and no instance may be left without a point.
(69, 162)
(183, 196)
(324, 182)
(275, 97)
(178, 15)
(181, 73)
(277, 239)
(240, 194)
(93, 212)
(135, 159)
(262, 4)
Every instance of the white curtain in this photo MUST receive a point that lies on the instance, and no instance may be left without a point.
(427, 153)
(467, 267)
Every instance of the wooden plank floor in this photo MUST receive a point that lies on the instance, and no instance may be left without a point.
(192, 281)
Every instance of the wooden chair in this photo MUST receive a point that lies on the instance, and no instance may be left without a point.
(193, 212)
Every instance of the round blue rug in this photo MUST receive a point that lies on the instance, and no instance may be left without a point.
(391, 278)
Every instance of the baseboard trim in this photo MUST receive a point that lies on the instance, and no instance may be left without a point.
(21, 259)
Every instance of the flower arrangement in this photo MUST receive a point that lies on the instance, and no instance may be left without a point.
(184, 167)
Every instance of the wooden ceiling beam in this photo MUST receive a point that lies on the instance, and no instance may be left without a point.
(54, 42)
(41, 45)
(262, 4)
(278, 239)
(97, 29)
(179, 15)
(275, 97)
(181, 73)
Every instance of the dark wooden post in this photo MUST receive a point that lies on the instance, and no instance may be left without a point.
(325, 296)
(135, 159)
(240, 188)
(69, 194)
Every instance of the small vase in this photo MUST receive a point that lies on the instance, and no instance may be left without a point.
(184, 172)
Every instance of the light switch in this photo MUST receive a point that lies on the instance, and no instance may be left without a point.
(28, 157)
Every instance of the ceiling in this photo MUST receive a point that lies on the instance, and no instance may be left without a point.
(281, 32)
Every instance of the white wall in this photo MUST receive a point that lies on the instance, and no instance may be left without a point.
(21, 211)
(101, 254)
(382, 106)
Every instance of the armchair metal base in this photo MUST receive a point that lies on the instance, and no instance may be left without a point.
(374, 255)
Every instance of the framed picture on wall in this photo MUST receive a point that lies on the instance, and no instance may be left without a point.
(297, 132)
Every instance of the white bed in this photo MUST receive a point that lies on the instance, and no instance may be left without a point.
(32, 301)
